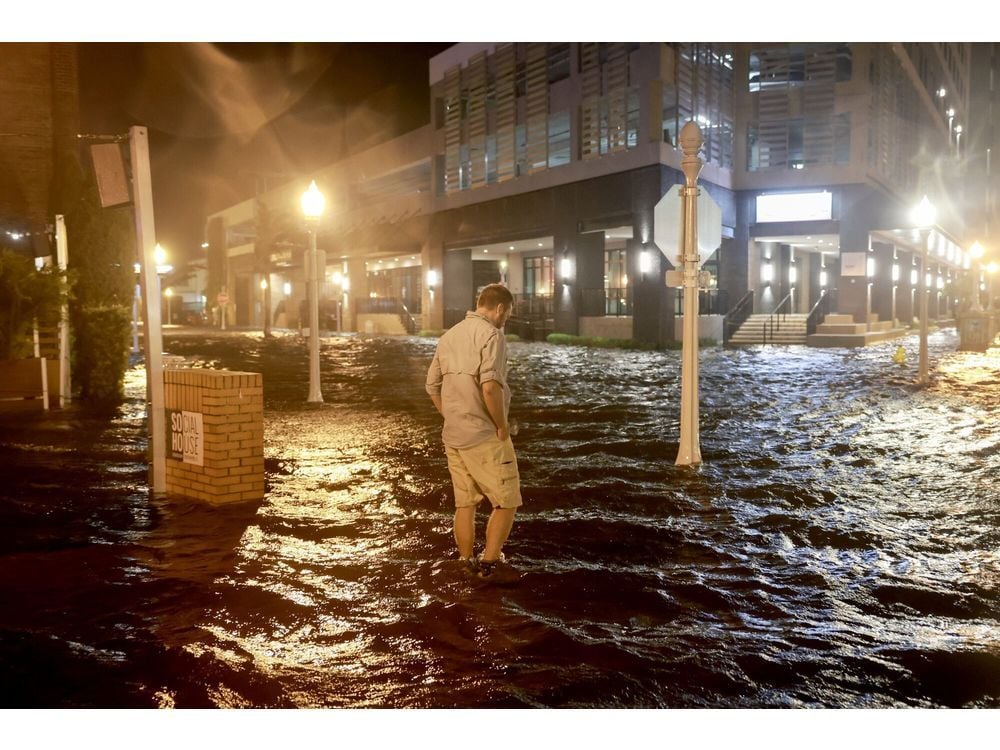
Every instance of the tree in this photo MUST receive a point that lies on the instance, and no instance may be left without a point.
(26, 295)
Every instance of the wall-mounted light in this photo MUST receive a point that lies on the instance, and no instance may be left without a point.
(345, 284)
(432, 278)
(565, 268)
(337, 278)
(928, 280)
(767, 273)
(870, 268)
(793, 275)
(895, 271)
(263, 284)
(287, 288)
(645, 262)
(914, 277)
(940, 282)
(822, 279)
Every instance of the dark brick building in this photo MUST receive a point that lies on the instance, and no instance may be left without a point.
(39, 120)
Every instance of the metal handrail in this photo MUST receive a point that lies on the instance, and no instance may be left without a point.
(821, 308)
(737, 316)
(772, 318)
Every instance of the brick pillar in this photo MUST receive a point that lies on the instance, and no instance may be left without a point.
(215, 434)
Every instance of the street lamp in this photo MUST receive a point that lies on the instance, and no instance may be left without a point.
(924, 215)
(312, 207)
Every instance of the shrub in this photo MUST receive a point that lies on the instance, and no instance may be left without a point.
(512, 337)
(101, 364)
(26, 295)
(430, 333)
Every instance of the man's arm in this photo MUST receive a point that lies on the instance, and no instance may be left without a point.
(493, 398)
(433, 384)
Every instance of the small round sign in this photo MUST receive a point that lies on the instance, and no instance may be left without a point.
(222, 298)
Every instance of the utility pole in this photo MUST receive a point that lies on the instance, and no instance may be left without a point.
(65, 381)
(152, 334)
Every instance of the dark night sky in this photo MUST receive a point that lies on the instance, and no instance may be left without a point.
(221, 114)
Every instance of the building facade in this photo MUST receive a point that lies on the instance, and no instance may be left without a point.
(543, 163)
(39, 120)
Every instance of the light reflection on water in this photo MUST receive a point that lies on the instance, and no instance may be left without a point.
(838, 547)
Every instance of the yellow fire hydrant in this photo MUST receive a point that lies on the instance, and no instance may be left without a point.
(900, 356)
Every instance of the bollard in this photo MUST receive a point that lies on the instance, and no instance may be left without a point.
(974, 331)
(215, 434)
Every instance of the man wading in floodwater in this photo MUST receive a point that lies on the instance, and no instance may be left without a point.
(467, 381)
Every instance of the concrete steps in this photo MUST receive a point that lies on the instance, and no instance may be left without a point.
(787, 330)
(840, 330)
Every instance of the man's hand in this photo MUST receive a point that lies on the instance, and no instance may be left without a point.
(493, 398)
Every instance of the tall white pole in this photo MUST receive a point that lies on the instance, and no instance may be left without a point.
(152, 334)
(62, 258)
(922, 291)
(315, 394)
(689, 451)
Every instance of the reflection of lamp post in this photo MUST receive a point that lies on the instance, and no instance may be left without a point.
(135, 310)
(924, 216)
(312, 206)
(976, 253)
(170, 295)
(991, 268)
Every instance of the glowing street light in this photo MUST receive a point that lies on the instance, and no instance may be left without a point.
(924, 216)
(313, 203)
(160, 257)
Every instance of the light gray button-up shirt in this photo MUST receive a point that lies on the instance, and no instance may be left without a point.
(468, 355)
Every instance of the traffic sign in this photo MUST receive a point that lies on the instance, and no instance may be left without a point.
(667, 220)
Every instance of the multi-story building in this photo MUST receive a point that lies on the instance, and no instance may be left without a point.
(39, 119)
(543, 162)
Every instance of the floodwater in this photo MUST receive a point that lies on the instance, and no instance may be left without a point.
(840, 546)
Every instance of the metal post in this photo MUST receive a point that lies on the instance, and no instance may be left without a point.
(922, 291)
(689, 451)
(65, 382)
(152, 334)
(315, 394)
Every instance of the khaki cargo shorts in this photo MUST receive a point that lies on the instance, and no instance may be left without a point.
(486, 470)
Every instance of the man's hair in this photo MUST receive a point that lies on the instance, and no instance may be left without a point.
(493, 295)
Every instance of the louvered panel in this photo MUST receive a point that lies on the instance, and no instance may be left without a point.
(713, 93)
(475, 80)
(685, 84)
(617, 88)
(590, 131)
(452, 127)
(773, 104)
(590, 69)
(590, 100)
(505, 70)
(536, 106)
(773, 143)
(774, 68)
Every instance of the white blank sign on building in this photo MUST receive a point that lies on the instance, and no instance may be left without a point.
(795, 207)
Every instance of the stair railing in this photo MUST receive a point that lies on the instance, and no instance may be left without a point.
(776, 316)
(820, 310)
(737, 317)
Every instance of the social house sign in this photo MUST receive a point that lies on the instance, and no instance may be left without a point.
(186, 436)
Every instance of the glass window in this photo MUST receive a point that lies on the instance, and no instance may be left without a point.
(558, 61)
(491, 159)
(538, 276)
(559, 139)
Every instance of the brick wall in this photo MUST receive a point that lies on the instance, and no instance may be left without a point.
(39, 112)
(231, 405)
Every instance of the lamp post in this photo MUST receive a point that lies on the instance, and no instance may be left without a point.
(924, 216)
(312, 207)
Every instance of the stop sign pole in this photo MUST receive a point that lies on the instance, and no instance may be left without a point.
(689, 451)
